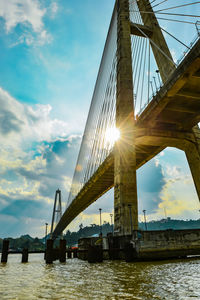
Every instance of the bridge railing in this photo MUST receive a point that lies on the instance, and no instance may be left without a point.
(156, 88)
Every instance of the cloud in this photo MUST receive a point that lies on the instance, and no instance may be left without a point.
(53, 9)
(26, 208)
(37, 156)
(29, 14)
(38, 174)
(22, 11)
(11, 226)
(176, 202)
(178, 195)
(22, 123)
(150, 180)
(9, 122)
(28, 184)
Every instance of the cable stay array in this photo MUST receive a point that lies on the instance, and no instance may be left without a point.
(98, 137)
(177, 27)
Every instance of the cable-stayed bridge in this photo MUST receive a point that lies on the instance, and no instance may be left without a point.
(144, 101)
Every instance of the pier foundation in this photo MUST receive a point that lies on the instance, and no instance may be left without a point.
(144, 245)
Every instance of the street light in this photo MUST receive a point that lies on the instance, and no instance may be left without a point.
(111, 215)
(145, 221)
(46, 233)
(100, 220)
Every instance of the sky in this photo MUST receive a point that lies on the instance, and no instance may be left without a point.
(50, 53)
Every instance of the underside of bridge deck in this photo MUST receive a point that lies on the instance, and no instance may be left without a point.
(177, 104)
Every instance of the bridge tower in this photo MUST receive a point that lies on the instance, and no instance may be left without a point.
(57, 210)
(125, 186)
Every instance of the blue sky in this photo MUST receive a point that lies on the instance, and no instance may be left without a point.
(49, 56)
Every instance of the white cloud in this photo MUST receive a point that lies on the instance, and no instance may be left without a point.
(37, 156)
(15, 12)
(30, 14)
(21, 122)
(53, 9)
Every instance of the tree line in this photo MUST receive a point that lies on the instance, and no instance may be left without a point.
(36, 244)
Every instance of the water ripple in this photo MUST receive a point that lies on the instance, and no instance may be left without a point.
(76, 279)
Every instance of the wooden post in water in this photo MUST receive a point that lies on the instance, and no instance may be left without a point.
(4, 255)
(75, 253)
(62, 251)
(49, 252)
(25, 255)
(69, 253)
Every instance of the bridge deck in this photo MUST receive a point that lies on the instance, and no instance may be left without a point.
(175, 107)
(177, 104)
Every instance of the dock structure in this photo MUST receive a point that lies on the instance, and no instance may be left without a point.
(144, 245)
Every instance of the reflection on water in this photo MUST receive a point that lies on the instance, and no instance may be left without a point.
(76, 279)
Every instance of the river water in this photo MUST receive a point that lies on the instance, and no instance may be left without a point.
(76, 279)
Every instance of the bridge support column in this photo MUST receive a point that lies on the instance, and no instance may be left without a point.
(193, 158)
(125, 187)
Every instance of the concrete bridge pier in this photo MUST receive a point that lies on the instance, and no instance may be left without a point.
(193, 157)
(125, 187)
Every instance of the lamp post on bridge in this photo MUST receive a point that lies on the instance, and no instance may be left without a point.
(46, 233)
(100, 220)
(145, 221)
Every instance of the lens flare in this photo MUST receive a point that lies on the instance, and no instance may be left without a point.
(112, 135)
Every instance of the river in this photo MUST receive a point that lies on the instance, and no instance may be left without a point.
(76, 279)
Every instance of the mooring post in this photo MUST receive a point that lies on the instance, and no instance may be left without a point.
(49, 252)
(62, 251)
(4, 255)
(75, 253)
(69, 253)
(25, 255)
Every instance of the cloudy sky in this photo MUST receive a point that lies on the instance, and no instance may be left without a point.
(49, 57)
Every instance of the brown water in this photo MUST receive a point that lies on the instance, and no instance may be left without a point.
(76, 279)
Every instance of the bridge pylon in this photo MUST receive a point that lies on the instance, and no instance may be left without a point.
(125, 185)
(57, 211)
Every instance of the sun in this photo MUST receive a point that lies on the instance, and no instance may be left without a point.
(112, 134)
